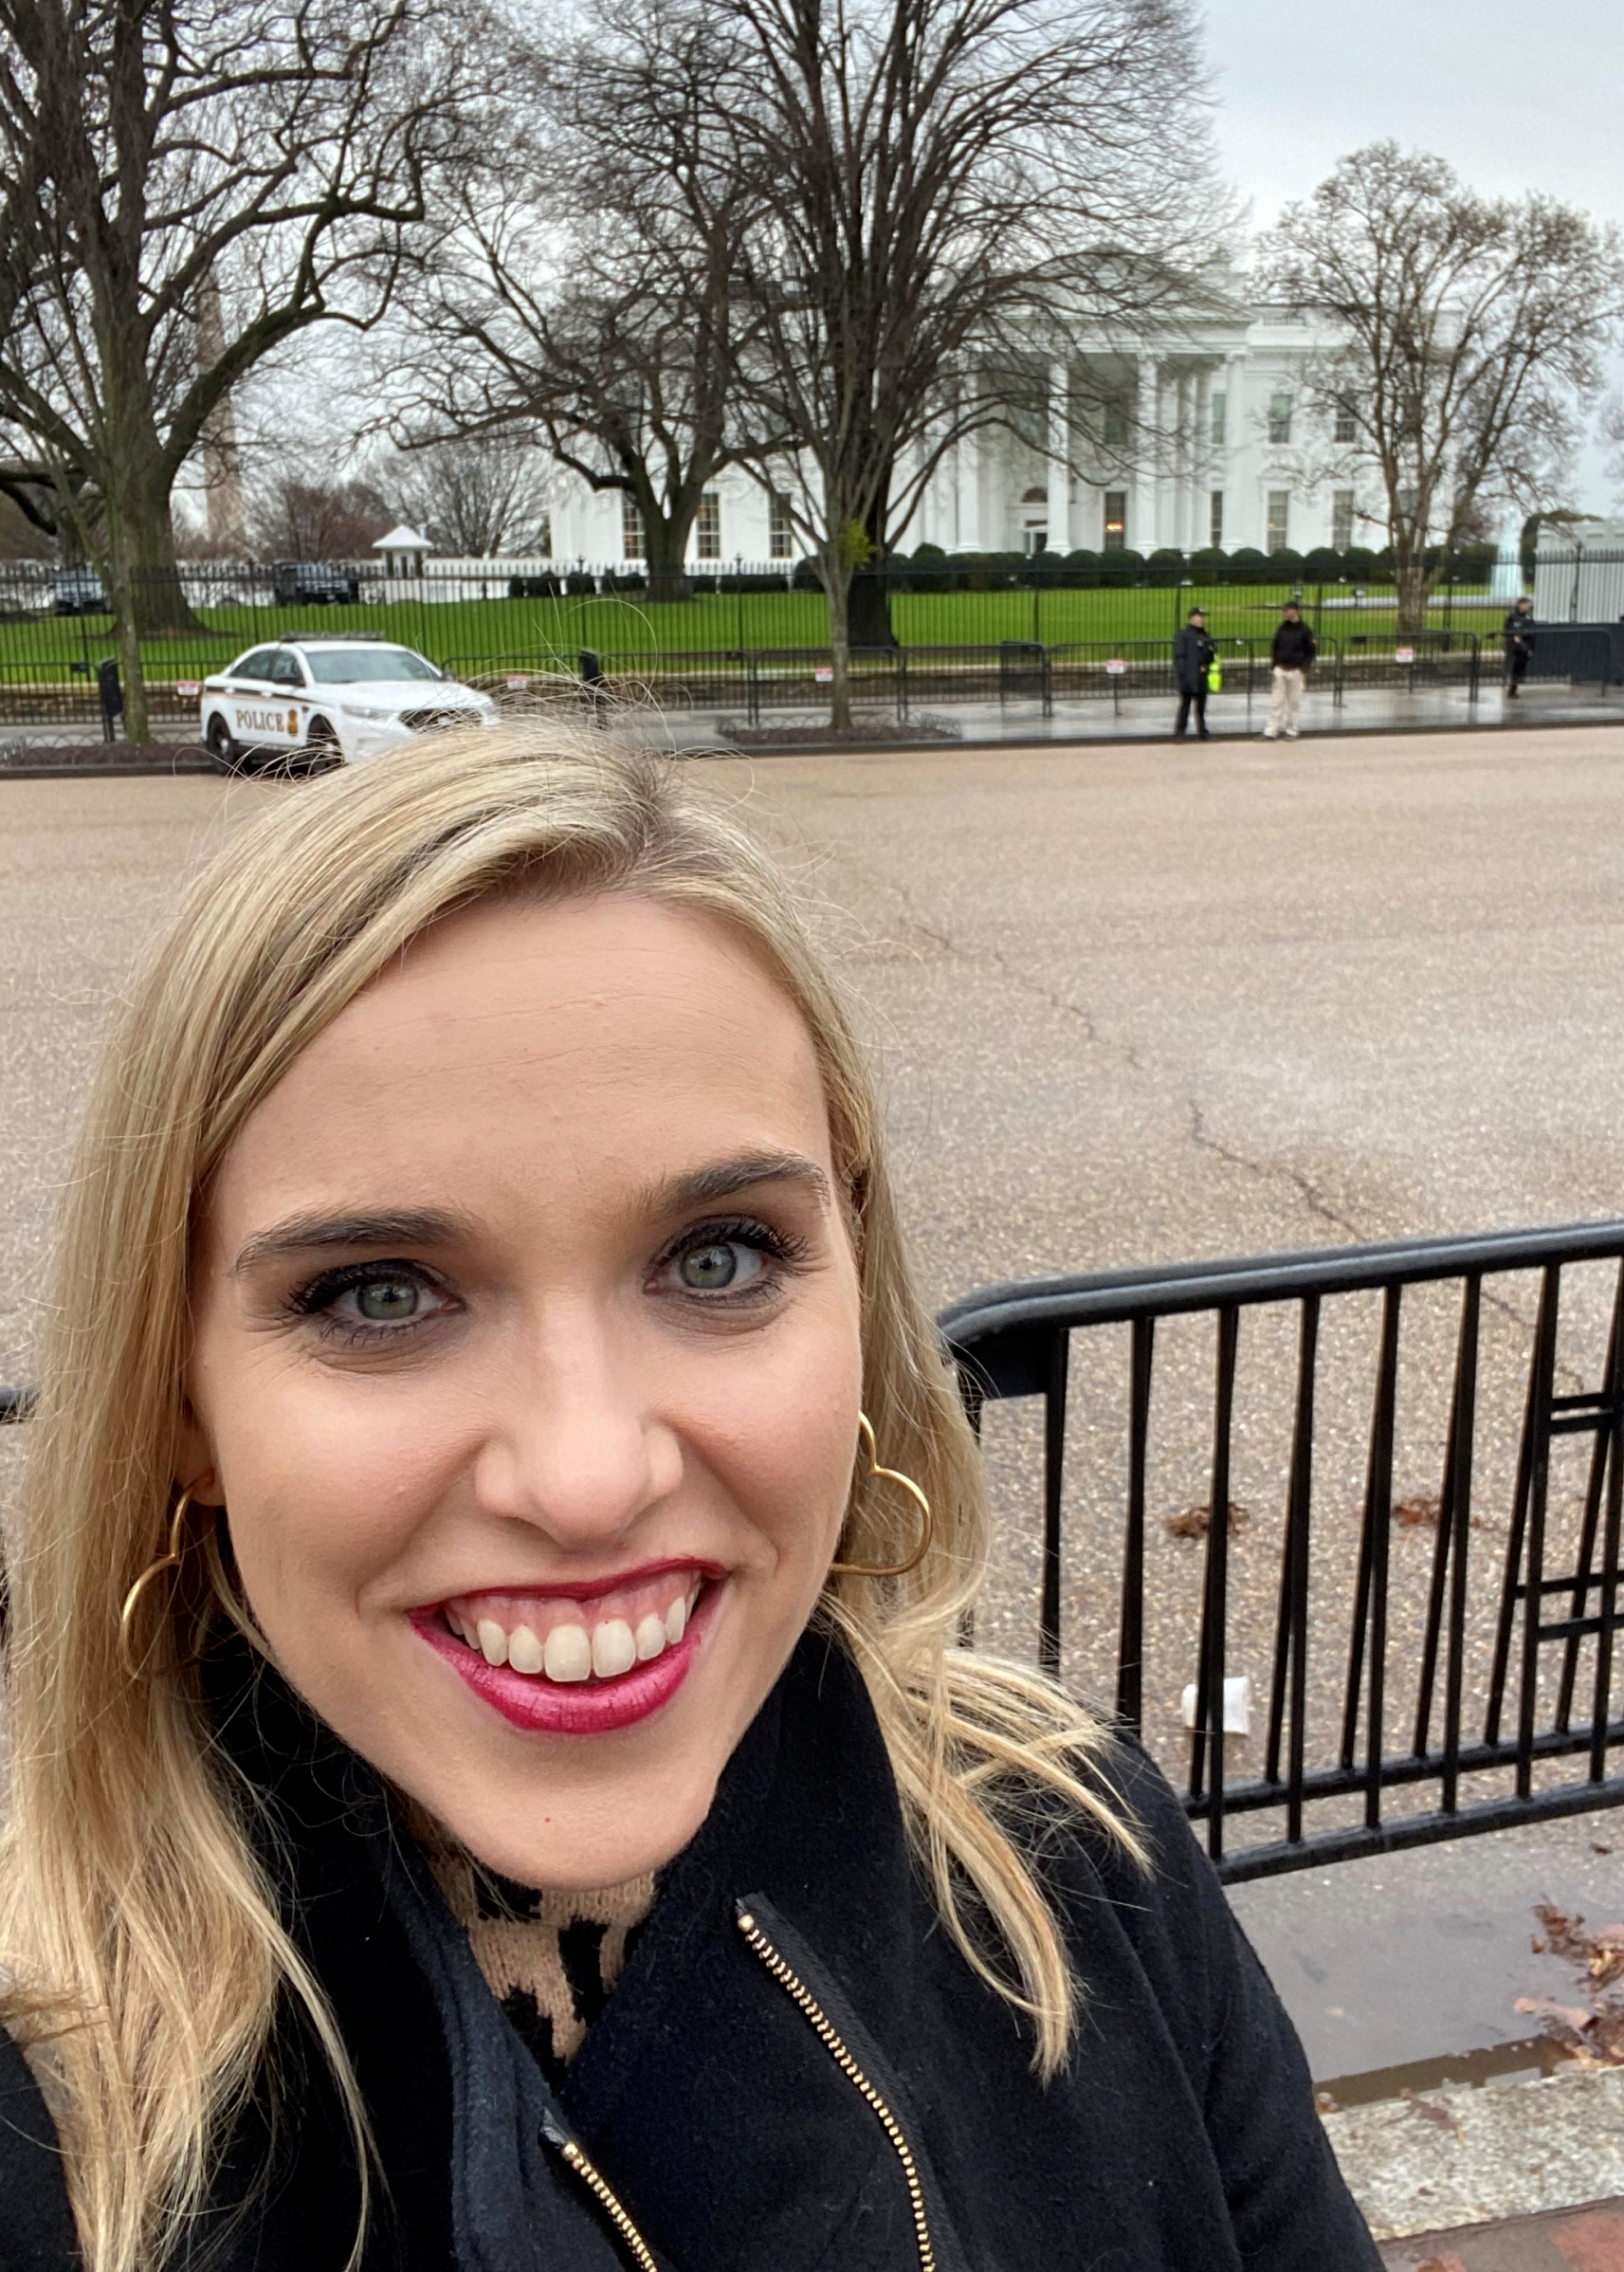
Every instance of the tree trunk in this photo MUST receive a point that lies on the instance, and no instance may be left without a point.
(1412, 579)
(868, 610)
(665, 544)
(837, 584)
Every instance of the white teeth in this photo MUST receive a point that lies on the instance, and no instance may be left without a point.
(569, 1654)
(650, 1636)
(524, 1652)
(676, 1620)
(613, 1649)
(493, 1640)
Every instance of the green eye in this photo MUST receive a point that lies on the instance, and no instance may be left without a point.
(707, 1269)
(386, 1300)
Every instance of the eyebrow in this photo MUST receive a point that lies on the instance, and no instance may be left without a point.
(396, 1226)
(721, 1180)
(438, 1227)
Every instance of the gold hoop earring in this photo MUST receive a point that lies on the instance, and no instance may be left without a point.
(171, 1561)
(888, 1474)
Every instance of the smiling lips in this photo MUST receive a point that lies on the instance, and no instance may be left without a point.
(572, 1660)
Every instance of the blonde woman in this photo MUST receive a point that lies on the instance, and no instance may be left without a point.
(491, 1781)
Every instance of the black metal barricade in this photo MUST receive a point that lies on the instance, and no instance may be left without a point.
(1326, 1742)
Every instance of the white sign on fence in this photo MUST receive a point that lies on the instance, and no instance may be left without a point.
(1404, 655)
(517, 685)
(824, 673)
(1116, 668)
(189, 685)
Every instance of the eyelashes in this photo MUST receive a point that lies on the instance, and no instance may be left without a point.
(406, 1297)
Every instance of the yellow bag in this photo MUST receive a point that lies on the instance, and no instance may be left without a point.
(1214, 676)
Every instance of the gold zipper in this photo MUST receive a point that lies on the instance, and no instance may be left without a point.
(596, 2184)
(829, 2037)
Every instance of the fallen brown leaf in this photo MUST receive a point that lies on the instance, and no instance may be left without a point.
(1429, 2112)
(1413, 1514)
(1197, 1521)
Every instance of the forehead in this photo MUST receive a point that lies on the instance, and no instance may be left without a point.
(520, 1044)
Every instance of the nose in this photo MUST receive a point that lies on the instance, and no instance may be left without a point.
(575, 1446)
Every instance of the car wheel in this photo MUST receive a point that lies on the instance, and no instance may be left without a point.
(225, 752)
(322, 747)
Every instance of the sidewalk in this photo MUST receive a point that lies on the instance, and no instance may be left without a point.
(1147, 718)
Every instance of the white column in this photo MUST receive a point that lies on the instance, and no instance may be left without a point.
(969, 492)
(1147, 486)
(1060, 457)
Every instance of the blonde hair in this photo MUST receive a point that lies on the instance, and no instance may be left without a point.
(144, 1957)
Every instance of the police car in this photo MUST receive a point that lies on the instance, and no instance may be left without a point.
(329, 700)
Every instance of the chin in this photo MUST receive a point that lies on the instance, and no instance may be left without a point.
(585, 1843)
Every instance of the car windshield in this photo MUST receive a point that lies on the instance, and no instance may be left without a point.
(351, 666)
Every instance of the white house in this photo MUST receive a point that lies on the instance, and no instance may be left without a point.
(1198, 436)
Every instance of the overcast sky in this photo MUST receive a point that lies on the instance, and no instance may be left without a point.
(1517, 93)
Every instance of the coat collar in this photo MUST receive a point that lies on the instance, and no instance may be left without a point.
(701, 2077)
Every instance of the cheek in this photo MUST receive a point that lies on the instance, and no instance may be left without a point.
(788, 1457)
(322, 1503)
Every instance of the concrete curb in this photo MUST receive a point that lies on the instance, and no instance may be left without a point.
(1435, 2161)
(189, 759)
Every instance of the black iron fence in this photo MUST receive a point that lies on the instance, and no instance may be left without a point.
(57, 633)
(741, 686)
(1434, 1653)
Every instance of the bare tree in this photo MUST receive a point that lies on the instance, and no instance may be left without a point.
(476, 495)
(246, 166)
(581, 288)
(316, 516)
(935, 191)
(1465, 333)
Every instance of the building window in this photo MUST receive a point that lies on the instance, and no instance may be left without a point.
(1114, 425)
(707, 527)
(1342, 519)
(631, 545)
(1346, 426)
(780, 532)
(544, 536)
(1215, 520)
(1279, 519)
(1280, 417)
(1220, 413)
(1116, 520)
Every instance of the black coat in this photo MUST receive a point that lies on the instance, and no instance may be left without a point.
(1181, 2137)
(1192, 652)
(1293, 648)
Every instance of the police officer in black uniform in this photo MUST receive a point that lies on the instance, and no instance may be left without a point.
(1192, 657)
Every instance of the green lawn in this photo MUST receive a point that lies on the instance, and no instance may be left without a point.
(475, 636)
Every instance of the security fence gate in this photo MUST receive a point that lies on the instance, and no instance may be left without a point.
(1428, 1607)
(1470, 1683)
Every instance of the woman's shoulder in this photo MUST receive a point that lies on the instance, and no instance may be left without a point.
(36, 2224)
(1153, 1887)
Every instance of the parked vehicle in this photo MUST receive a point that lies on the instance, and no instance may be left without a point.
(79, 591)
(313, 583)
(329, 701)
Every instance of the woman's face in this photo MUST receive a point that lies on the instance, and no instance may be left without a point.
(527, 1368)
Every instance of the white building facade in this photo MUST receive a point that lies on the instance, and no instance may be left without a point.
(1201, 437)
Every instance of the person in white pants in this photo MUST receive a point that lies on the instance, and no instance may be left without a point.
(1292, 654)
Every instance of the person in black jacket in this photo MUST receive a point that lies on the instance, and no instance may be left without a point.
(1291, 657)
(493, 1784)
(1194, 655)
(1519, 636)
